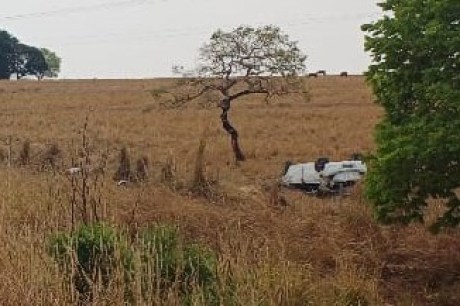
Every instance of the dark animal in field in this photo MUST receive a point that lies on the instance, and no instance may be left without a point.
(344, 74)
(323, 72)
(313, 74)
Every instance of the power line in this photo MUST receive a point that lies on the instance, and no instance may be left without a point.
(76, 9)
(202, 30)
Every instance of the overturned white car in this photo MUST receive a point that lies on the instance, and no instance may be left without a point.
(324, 176)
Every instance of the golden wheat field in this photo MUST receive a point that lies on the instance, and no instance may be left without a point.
(282, 247)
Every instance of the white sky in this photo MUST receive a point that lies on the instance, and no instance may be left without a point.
(144, 38)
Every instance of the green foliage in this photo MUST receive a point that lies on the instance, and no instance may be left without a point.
(94, 255)
(7, 46)
(191, 266)
(241, 62)
(20, 59)
(415, 76)
(252, 52)
(199, 269)
(87, 256)
(53, 62)
(29, 61)
(161, 254)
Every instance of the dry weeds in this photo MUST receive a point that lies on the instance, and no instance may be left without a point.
(312, 251)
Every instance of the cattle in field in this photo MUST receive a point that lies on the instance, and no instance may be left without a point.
(323, 72)
(313, 74)
(343, 74)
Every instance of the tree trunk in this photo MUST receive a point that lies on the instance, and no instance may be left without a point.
(225, 105)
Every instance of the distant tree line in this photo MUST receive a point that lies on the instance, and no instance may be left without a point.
(20, 60)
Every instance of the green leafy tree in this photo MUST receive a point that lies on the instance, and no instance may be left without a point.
(28, 60)
(7, 49)
(242, 62)
(36, 64)
(415, 76)
(53, 61)
(22, 60)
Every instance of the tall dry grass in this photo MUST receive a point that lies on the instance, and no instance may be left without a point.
(306, 251)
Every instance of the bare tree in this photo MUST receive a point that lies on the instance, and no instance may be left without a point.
(242, 62)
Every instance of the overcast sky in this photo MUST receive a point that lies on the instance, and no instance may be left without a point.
(144, 38)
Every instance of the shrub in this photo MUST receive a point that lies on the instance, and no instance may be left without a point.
(87, 256)
(160, 254)
(199, 270)
(414, 76)
(189, 268)
(93, 256)
(199, 265)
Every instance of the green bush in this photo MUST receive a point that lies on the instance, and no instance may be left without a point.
(191, 267)
(93, 254)
(87, 256)
(199, 271)
(160, 257)
(199, 265)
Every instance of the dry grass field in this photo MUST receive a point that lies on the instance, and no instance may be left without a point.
(283, 247)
